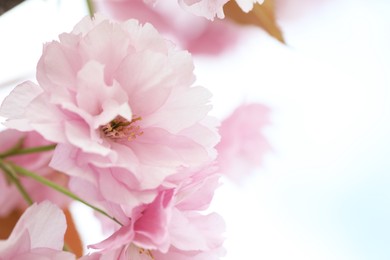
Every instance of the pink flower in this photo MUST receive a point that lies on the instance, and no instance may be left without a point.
(10, 197)
(212, 8)
(117, 96)
(204, 37)
(243, 144)
(171, 224)
(39, 234)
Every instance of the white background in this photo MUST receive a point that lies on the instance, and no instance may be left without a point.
(323, 193)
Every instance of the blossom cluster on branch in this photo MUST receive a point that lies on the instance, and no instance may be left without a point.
(116, 122)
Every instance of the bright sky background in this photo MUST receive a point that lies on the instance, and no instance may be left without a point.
(324, 191)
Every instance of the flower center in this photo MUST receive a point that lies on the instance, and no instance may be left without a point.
(145, 252)
(120, 128)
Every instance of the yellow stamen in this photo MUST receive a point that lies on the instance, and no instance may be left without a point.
(120, 128)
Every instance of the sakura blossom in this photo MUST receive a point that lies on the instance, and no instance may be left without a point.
(117, 96)
(10, 198)
(205, 37)
(39, 234)
(171, 226)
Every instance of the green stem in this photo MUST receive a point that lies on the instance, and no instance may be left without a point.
(66, 247)
(91, 8)
(29, 150)
(14, 178)
(59, 188)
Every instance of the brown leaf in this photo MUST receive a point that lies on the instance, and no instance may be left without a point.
(262, 16)
(7, 223)
(72, 237)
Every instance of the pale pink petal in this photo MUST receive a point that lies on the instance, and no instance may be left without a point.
(198, 194)
(182, 102)
(204, 133)
(148, 226)
(121, 237)
(93, 92)
(120, 187)
(156, 86)
(151, 228)
(17, 245)
(14, 106)
(118, 254)
(176, 254)
(206, 8)
(46, 119)
(106, 44)
(78, 134)
(38, 234)
(196, 232)
(54, 71)
(46, 225)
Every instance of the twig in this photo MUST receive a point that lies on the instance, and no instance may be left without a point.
(6, 5)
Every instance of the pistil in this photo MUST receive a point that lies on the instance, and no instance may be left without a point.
(120, 128)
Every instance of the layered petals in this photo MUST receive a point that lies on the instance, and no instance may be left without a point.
(118, 96)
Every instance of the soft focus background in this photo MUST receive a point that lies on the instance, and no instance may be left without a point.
(324, 191)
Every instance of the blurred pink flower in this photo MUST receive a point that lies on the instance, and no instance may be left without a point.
(243, 145)
(193, 33)
(39, 234)
(117, 95)
(290, 10)
(37, 162)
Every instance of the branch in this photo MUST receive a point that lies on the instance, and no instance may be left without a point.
(6, 5)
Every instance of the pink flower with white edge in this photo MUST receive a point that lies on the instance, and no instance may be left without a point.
(212, 8)
(243, 144)
(117, 95)
(10, 197)
(205, 37)
(39, 234)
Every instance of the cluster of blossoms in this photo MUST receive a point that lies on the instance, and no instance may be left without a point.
(205, 8)
(116, 119)
(204, 37)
